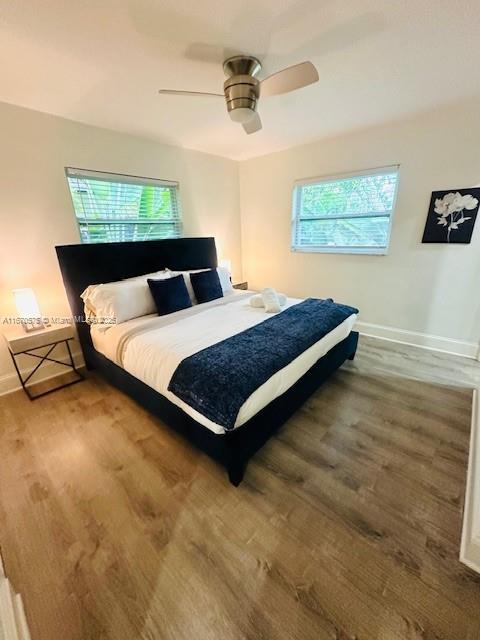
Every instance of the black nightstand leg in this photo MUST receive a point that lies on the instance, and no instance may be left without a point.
(72, 363)
(20, 376)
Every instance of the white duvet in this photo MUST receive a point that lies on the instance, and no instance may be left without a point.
(150, 348)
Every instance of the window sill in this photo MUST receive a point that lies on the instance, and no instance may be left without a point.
(360, 252)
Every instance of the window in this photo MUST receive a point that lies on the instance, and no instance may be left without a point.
(117, 208)
(345, 214)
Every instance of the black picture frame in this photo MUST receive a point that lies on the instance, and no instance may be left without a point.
(451, 216)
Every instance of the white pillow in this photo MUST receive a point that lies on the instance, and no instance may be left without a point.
(115, 302)
(155, 275)
(223, 276)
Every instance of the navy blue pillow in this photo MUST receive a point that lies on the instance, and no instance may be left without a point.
(169, 294)
(206, 285)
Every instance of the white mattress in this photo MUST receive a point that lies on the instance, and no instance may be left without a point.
(150, 348)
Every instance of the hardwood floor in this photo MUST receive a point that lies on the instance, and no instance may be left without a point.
(390, 358)
(346, 527)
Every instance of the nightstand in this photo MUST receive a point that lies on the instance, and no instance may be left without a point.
(21, 343)
(241, 285)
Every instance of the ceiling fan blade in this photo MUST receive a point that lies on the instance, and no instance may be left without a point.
(175, 92)
(210, 53)
(253, 125)
(289, 79)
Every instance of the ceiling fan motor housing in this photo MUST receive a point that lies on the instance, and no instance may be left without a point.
(241, 92)
(241, 89)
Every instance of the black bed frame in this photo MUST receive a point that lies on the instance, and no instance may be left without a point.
(86, 264)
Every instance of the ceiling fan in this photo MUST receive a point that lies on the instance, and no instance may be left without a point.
(242, 89)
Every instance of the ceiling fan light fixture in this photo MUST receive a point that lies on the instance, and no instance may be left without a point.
(242, 88)
(242, 114)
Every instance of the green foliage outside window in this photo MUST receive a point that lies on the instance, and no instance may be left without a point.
(109, 211)
(346, 212)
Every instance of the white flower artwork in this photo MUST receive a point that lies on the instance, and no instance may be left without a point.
(454, 212)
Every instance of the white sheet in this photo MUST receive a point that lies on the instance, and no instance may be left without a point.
(151, 348)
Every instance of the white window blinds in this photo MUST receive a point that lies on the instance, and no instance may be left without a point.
(345, 214)
(116, 208)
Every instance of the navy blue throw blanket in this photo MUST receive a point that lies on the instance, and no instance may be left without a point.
(219, 379)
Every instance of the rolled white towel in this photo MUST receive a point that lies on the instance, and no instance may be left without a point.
(257, 300)
(270, 300)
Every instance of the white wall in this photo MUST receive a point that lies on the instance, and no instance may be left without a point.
(417, 291)
(36, 211)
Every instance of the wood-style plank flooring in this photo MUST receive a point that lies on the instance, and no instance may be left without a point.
(347, 526)
(390, 358)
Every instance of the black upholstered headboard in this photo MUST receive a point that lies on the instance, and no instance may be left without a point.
(84, 264)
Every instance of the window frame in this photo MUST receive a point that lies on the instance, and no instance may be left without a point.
(380, 251)
(121, 178)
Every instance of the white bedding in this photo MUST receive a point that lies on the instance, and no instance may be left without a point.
(150, 348)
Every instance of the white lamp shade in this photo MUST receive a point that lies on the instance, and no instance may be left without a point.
(26, 303)
(226, 263)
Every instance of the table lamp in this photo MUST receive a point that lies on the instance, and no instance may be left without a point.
(28, 309)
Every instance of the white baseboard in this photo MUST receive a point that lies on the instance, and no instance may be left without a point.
(470, 547)
(416, 339)
(10, 381)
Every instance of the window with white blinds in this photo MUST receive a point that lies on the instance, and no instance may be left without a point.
(117, 208)
(345, 214)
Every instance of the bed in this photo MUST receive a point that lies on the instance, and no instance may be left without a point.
(141, 355)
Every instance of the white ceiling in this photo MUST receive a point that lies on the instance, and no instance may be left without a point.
(102, 62)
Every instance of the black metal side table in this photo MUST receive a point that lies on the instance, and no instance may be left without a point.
(21, 343)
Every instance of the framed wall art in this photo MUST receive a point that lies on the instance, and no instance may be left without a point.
(451, 216)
